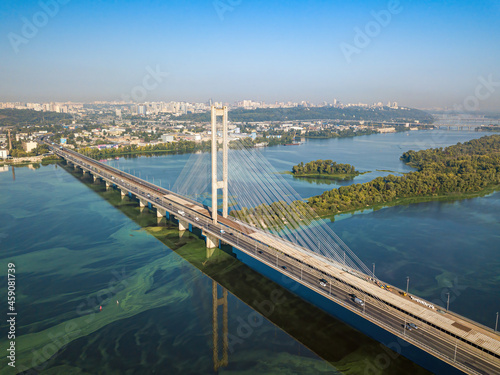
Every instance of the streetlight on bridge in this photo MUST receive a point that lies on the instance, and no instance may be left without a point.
(496, 323)
(373, 272)
(407, 283)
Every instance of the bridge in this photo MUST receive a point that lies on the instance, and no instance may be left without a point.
(456, 126)
(462, 344)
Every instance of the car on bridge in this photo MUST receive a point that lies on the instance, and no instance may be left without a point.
(359, 301)
(410, 326)
(322, 282)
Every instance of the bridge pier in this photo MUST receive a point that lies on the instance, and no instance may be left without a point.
(123, 192)
(75, 167)
(183, 225)
(160, 212)
(85, 172)
(143, 203)
(96, 179)
(211, 241)
(108, 185)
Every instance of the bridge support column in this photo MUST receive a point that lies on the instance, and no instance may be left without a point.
(123, 192)
(143, 203)
(160, 212)
(211, 241)
(96, 179)
(85, 172)
(108, 185)
(183, 225)
(75, 167)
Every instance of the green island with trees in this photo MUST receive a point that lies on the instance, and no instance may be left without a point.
(324, 169)
(460, 171)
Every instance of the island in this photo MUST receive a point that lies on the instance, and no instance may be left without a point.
(460, 171)
(324, 169)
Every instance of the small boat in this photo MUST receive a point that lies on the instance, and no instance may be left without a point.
(292, 144)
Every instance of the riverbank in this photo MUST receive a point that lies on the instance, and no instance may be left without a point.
(337, 176)
(19, 162)
(450, 197)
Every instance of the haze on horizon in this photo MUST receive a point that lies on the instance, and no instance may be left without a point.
(424, 54)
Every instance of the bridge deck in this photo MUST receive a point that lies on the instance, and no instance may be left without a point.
(454, 325)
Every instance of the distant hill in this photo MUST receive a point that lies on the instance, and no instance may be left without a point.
(13, 117)
(319, 113)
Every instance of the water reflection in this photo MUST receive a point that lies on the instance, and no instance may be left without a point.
(219, 303)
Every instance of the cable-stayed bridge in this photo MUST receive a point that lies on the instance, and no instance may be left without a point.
(285, 240)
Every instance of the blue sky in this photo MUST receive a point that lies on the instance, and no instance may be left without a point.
(428, 54)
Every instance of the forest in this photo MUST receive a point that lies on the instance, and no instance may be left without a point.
(334, 133)
(22, 117)
(468, 167)
(323, 168)
(318, 113)
(453, 172)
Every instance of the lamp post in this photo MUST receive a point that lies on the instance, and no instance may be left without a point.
(373, 272)
(407, 283)
(448, 302)
(496, 323)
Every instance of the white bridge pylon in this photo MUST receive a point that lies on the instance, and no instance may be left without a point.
(216, 184)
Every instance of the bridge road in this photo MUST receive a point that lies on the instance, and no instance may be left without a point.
(467, 358)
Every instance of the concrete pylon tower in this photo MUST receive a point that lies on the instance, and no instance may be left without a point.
(216, 184)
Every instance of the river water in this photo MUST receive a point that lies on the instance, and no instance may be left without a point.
(77, 248)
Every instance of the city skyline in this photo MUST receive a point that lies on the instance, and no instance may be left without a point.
(374, 51)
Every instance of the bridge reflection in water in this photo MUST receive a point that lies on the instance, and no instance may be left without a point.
(218, 303)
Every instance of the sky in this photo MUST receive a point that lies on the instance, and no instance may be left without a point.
(422, 54)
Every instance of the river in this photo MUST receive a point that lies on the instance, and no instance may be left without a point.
(77, 248)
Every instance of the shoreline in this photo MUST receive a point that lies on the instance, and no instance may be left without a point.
(348, 176)
(452, 197)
